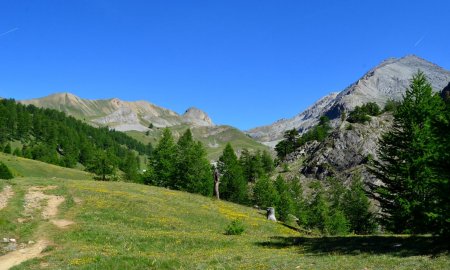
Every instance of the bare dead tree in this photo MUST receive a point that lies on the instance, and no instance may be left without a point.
(216, 182)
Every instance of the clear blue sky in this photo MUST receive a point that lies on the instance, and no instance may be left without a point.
(246, 62)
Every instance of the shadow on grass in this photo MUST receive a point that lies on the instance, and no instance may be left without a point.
(355, 245)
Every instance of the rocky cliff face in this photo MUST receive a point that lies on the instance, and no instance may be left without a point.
(118, 114)
(388, 80)
(197, 117)
(348, 148)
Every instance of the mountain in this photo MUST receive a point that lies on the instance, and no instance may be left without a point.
(144, 121)
(388, 80)
(118, 114)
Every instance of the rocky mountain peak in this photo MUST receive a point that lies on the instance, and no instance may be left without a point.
(388, 80)
(197, 117)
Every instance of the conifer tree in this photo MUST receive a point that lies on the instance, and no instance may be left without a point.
(162, 162)
(285, 204)
(356, 207)
(407, 156)
(193, 171)
(265, 193)
(233, 185)
(5, 173)
(131, 167)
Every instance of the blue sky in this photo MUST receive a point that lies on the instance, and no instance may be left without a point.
(246, 63)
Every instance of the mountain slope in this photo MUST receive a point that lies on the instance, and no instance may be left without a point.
(144, 121)
(114, 225)
(118, 114)
(388, 80)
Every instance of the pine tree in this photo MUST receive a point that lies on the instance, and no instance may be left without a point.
(131, 167)
(265, 193)
(162, 162)
(440, 214)
(319, 208)
(356, 207)
(233, 185)
(5, 173)
(407, 156)
(251, 164)
(104, 164)
(285, 204)
(193, 171)
(7, 148)
(267, 162)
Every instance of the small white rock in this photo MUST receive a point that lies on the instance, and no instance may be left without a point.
(12, 240)
(31, 242)
(5, 240)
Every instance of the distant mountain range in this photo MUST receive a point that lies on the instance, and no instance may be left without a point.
(120, 115)
(144, 121)
(388, 80)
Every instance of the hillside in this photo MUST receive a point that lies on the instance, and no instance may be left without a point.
(386, 81)
(135, 118)
(23, 167)
(213, 138)
(104, 225)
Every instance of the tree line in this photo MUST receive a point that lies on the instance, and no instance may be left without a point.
(53, 137)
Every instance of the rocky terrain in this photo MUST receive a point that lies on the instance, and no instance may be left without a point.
(388, 80)
(345, 152)
(120, 115)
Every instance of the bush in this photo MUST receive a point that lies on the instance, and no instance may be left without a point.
(391, 106)
(361, 113)
(236, 227)
(337, 224)
(5, 173)
(7, 149)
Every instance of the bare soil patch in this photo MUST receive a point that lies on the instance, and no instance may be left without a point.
(17, 257)
(5, 195)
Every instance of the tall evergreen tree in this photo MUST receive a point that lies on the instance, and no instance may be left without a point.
(265, 194)
(407, 156)
(193, 171)
(356, 207)
(285, 204)
(162, 162)
(233, 185)
(131, 167)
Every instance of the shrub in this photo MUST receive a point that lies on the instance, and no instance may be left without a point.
(5, 173)
(7, 149)
(236, 227)
(337, 224)
(361, 113)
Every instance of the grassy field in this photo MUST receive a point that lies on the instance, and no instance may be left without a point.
(130, 226)
(21, 167)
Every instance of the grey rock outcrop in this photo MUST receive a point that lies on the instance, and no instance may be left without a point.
(197, 117)
(388, 80)
(348, 148)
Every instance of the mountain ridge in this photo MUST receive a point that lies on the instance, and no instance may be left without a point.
(387, 80)
(119, 114)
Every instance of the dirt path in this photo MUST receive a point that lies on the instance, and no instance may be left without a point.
(19, 256)
(5, 195)
(34, 200)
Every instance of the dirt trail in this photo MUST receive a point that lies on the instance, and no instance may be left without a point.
(5, 195)
(17, 257)
(34, 198)
(34, 201)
